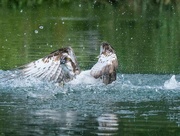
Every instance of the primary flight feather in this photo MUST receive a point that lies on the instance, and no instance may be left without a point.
(59, 66)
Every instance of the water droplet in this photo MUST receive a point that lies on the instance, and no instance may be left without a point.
(41, 27)
(116, 29)
(21, 11)
(62, 22)
(79, 5)
(85, 115)
(131, 38)
(36, 31)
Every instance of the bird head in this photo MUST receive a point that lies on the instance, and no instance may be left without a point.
(106, 49)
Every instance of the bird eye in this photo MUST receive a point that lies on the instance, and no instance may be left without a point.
(62, 61)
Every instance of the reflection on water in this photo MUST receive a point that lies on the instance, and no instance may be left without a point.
(108, 125)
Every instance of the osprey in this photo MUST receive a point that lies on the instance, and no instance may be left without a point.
(61, 66)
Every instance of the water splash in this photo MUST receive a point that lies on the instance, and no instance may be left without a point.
(15, 83)
(126, 96)
(172, 83)
(127, 87)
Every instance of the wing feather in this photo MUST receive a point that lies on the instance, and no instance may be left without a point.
(49, 71)
(106, 65)
(58, 76)
(54, 72)
(50, 68)
(36, 68)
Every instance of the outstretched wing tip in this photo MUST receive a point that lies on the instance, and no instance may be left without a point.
(50, 67)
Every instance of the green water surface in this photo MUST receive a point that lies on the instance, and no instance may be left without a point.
(146, 41)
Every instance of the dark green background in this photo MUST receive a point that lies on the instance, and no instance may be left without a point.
(145, 35)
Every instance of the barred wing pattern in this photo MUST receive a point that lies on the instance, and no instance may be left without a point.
(59, 66)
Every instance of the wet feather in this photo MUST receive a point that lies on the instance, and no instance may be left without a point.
(50, 68)
(106, 65)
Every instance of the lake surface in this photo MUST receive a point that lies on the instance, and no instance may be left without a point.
(145, 98)
(135, 104)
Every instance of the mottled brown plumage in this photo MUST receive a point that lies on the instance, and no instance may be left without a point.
(107, 64)
(59, 66)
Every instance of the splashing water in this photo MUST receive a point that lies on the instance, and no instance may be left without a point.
(172, 83)
(127, 87)
(13, 82)
(47, 104)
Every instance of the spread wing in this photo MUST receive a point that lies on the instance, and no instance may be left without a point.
(60, 65)
(106, 66)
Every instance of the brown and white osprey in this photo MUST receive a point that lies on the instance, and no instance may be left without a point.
(62, 66)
